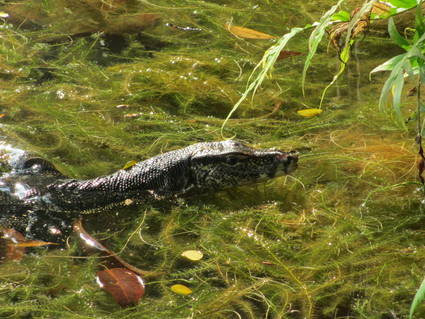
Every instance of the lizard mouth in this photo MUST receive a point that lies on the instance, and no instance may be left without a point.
(287, 162)
(291, 162)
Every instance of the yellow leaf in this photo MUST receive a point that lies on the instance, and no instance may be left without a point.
(310, 112)
(33, 243)
(129, 165)
(192, 254)
(4, 14)
(181, 290)
(247, 33)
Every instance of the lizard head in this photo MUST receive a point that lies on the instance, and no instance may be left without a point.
(220, 165)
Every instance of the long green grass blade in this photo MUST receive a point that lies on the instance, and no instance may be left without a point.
(388, 65)
(396, 75)
(419, 297)
(345, 54)
(265, 65)
(316, 37)
(398, 39)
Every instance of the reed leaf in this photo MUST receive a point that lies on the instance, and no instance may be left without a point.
(419, 297)
(263, 68)
(316, 37)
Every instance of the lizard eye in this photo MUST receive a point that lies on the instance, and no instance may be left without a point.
(231, 160)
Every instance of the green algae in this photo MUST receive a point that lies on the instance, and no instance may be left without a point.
(299, 246)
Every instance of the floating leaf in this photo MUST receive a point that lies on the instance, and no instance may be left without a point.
(192, 254)
(247, 33)
(129, 165)
(309, 112)
(125, 286)
(13, 244)
(33, 243)
(110, 259)
(181, 290)
(8, 250)
(287, 54)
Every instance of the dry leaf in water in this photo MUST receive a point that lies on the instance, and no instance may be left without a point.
(381, 9)
(247, 33)
(8, 251)
(110, 259)
(193, 255)
(125, 286)
(13, 244)
(181, 289)
(309, 112)
(287, 54)
(337, 32)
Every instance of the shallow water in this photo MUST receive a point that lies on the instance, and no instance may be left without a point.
(339, 237)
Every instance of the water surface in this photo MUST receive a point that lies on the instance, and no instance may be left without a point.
(340, 237)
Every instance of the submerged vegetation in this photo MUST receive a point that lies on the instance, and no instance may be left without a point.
(89, 91)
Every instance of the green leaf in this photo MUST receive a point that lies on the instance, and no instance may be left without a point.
(403, 3)
(396, 81)
(315, 38)
(417, 53)
(342, 15)
(390, 64)
(419, 297)
(264, 66)
(422, 74)
(397, 89)
(398, 39)
(419, 24)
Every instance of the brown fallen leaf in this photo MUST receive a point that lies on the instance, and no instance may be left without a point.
(125, 286)
(287, 54)
(8, 251)
(337, 32)
(247, 33)
(381, 9)
(13, 244)
(110, 259)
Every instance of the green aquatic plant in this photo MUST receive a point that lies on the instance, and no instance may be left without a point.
(364, 15)
(301, 246)
(418, 299)
(409, 64)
